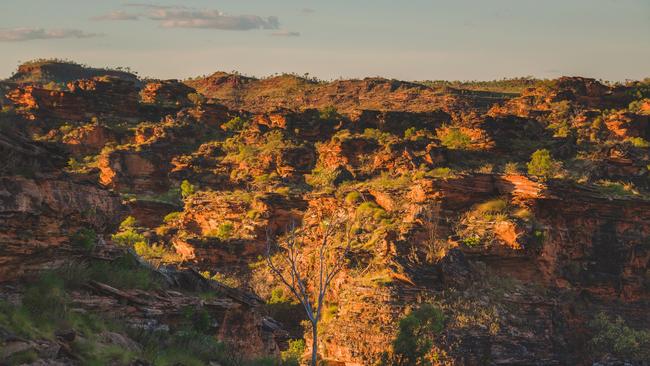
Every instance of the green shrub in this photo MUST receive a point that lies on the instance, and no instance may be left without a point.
(492, 206)
(253, 214)
(46, 308)
(279, 296)
(639, 142)
(128, 238)
(198, 318)
(329, 113)
(84, 239)
(615, 338)
(414, 342)
(123, 272)
(542, 164)
(129, 223)
(46, 298)
(486, 169)
(187, 189)
(386, 181)
(149, 252)
(472, 241)
(409, 132)
(322, 178)
(375, 134)
(560, 128)
(223, 232)
(230, 281)
(454, 138)
(186, 346)
(635, 106)
(235, 125)
(74, 165)
(353, 197)
(371, 209)
(617, 188)
(511, 168)
(172, 216)
(440, 173)
(172, 196)
(293, 354)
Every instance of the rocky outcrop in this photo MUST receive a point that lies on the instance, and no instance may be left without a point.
(233, 317)
(46, 71)
(529, 320)
(167, 94)
(431, 190)
(583, 92)
(208, 114)
(595, 244)
(397, 122)
(626, 125)
(292, 92)
(20, 155)
(38, 218)
(89, 139)
(226, 228)
(351, 153)
(307, 125)
(108, 98)
(142, 171)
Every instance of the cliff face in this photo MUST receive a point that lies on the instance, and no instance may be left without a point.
(100, 97)
(63, 72)
(34, 233)
(440, 188)
(293, 92)
(508, 298)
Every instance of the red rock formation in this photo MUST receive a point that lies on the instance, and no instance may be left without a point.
(626, 125)
(250, 221)
(39, 216)
(89, 139)
(167, 93)
(287, 91)
(518, 265)
(46, 71)
(583, 92)
(101, 97)
(399, 121)
(143, 171)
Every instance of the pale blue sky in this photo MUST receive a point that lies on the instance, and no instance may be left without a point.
(407, 39)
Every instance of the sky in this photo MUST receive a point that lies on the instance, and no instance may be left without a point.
(329, 39)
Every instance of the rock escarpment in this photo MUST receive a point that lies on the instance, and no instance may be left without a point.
(445, 200)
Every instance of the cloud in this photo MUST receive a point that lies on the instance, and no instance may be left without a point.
(185, 17)
(307, 10)
(117, 15)
(211, 19)
(285, 33)
(28, 34)
(153, 6)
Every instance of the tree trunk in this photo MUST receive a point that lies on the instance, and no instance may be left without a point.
(314, 344)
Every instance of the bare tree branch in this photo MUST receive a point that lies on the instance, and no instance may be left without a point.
(290, 250)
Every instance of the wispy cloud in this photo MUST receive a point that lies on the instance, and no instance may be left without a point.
(213, 19)
(307, 10)
(285, 33)
(153, 6)
(29, 34)
(117, 15)
(185, 17)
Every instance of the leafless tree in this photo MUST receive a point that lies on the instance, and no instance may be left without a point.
(284, 260)
(435, 247)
